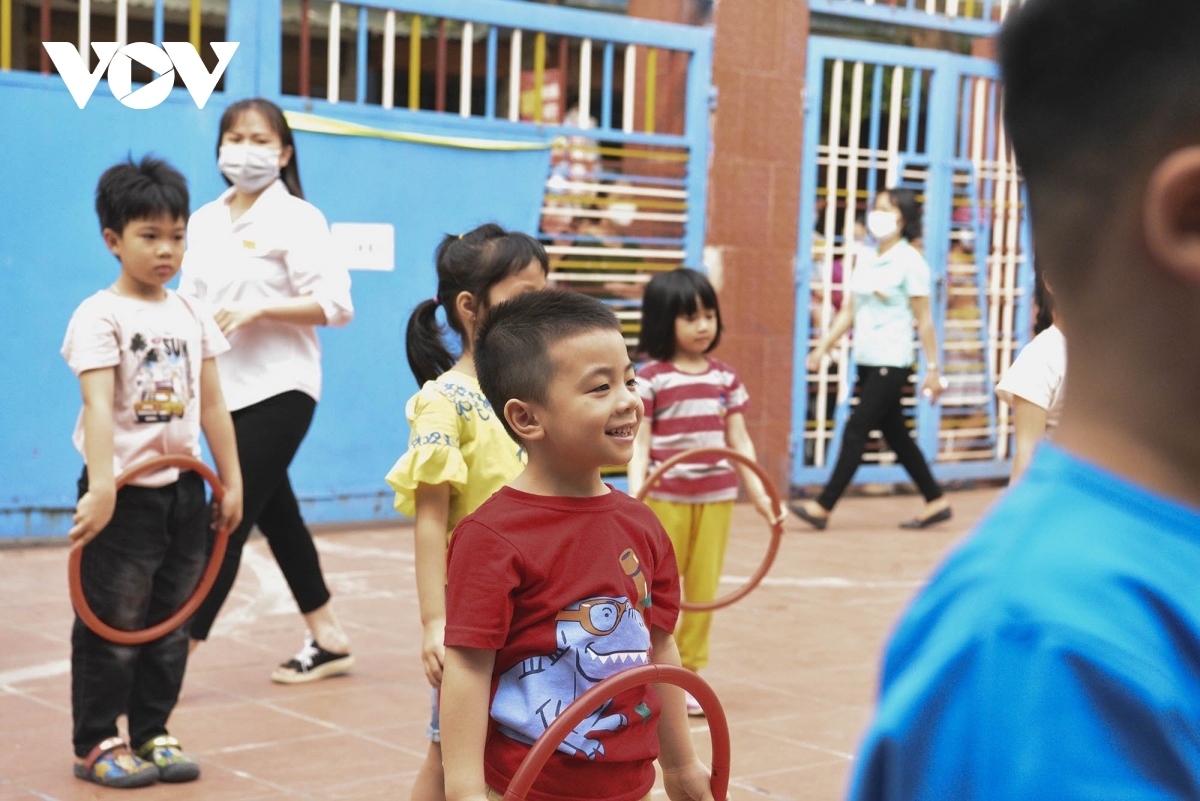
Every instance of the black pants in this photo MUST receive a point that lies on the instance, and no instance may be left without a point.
(268, 435)
(879, 391)
(136, 573)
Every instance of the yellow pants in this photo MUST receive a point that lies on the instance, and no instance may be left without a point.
(699, 532)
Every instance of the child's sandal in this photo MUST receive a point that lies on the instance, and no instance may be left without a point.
(167, 755)
(112, 764)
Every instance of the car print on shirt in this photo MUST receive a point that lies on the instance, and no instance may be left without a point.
(163, 378)
(160, 405)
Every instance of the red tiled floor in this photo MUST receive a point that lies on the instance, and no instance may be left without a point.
(794, 664)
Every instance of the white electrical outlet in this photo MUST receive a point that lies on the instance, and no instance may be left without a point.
(365, 246)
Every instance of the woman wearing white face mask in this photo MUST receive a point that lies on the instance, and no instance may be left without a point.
(887, 294)
(259, 255)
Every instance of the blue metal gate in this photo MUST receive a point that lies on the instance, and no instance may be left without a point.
(880, 115)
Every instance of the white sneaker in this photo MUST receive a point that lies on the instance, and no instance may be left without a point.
(694, 709)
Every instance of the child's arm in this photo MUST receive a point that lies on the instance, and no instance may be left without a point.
(217, 425)
(433, 511)
(95, 508)
(685, 778)
(466, 688)
(738, 438)
(639, 463)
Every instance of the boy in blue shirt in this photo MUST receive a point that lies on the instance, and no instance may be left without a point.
(1056, 654)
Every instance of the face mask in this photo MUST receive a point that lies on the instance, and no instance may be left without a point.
(250, 168)
(882, 224)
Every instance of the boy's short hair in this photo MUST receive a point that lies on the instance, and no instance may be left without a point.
(1096, 93)
(512, 345)
(137, 190)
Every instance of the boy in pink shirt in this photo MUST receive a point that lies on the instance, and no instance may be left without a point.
(145, 361)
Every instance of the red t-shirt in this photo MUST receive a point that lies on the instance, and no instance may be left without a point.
(564, 590)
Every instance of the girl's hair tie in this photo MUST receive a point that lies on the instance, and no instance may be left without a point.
(460, 236)
(436, 302)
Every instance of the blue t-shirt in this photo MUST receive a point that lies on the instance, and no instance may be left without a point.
(1055, 655)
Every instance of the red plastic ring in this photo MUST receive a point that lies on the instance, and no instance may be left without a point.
(776, 528)
(119, 636)
(611, 687)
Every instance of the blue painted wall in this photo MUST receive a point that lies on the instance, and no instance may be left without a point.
(52, 257)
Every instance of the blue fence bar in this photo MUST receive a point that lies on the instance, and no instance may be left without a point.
(987, 23)
(360, 58)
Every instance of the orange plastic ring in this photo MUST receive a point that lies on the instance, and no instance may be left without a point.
(776, 528)
(119, 636)
(588, 702)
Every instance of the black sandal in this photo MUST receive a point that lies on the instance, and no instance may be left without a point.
(926, 522)
(819, 523)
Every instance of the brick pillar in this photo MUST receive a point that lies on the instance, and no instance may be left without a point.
(754, 204)
(754, 198)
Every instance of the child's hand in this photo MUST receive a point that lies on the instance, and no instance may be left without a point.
(228, 513)
(769, 512)
(689, 783)
(92, 514)
(433, 651)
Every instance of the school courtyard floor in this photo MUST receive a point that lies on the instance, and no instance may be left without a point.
(794, 664)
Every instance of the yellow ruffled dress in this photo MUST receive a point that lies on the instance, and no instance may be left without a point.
(457, 439)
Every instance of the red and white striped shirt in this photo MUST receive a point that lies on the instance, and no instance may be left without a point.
(686, 411)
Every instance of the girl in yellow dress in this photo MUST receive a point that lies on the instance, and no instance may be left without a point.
(458, 453)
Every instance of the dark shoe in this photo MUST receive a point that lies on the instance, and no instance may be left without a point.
(167, 755)
(312, 663)
(112, 764)
(926, 522)
(819, 523)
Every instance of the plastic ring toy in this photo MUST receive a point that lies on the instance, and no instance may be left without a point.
(118, 636)
(611, 687)
(776, 528)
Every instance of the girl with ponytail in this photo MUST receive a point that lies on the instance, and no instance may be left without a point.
(458, 453)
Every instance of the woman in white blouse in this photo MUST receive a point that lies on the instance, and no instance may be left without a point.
(260, 257)
(888, 295)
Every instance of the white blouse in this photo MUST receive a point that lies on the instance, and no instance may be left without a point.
(278, 250)
(1038, 374)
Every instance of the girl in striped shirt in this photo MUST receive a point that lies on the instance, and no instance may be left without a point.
(692, 401)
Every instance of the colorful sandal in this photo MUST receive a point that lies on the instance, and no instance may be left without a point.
(167, 755)
(112, 764)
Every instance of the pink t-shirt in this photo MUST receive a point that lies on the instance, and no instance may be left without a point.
(156, 348)
(686, 411)
(565, 591)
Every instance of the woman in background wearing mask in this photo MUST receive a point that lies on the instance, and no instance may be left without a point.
(886, 295)
(260, 257)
